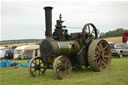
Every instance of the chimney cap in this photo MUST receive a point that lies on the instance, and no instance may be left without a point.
(48, 7)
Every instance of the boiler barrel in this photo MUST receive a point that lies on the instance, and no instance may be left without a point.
(49, 48)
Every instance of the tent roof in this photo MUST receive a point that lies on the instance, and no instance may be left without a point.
(27, 47)
(21, 47)
(32, 47)
(3, 47)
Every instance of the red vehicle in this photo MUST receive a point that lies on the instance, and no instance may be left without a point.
(124, 37)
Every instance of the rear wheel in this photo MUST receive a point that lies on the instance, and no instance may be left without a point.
(99, 55)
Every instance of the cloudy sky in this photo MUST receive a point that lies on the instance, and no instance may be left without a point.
(25, 19)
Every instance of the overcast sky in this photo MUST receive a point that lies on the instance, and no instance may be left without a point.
(26, 20)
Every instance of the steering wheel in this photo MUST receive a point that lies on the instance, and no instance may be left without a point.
(89, 32)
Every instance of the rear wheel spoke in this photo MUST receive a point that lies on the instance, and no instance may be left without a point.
(101, 46)
(96, 58)
(104, 63)
(105, 48)
(99, 49)
(106, 56)
(97, 53)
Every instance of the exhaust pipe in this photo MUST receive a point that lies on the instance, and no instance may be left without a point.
(48, 21)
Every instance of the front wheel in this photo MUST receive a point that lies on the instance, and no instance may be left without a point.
(62, 67)
(36, 66)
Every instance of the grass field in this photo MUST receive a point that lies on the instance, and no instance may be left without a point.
(117, 74)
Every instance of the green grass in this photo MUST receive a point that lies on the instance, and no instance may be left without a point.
(117, 74)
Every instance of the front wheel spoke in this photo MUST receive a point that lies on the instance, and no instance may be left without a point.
(61, 69)
(41, 62)
(33, 70)
(41, 70)
(64, 73)
(58, 67)
(32, 66)
(33, 62)
(42, 67)
(66, 62)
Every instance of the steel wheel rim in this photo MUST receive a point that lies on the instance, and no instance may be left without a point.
(103, 55)
(36, 67)
(99, 55)
(62, 67)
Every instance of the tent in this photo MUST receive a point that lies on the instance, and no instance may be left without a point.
(2, 52)
(6, 52)
(26, 52)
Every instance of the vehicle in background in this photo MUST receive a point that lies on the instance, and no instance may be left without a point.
(26, 52)
(125, 37)
(113, 51)
(119, 49)
(6, 53)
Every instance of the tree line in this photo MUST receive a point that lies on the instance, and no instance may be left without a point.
(4, 42)
(115, 33)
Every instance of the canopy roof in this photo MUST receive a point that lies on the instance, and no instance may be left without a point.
(3, 47)
(27, 47)
(32, 47)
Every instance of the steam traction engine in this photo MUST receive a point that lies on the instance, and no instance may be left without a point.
(63, 52)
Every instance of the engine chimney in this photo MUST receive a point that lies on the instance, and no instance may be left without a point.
(48, 21)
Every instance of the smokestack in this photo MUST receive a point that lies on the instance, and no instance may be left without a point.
(48, 21)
